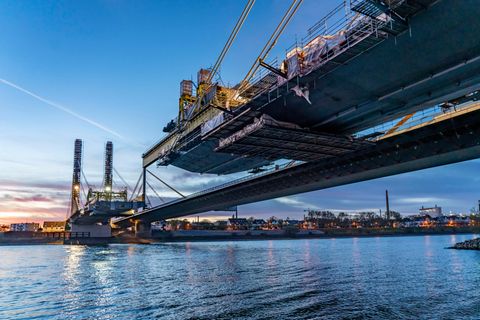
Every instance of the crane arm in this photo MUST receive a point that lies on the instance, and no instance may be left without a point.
(228, 44)
(231, 38)
(272, 41)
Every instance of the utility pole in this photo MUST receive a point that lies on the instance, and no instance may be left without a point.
(387, 213)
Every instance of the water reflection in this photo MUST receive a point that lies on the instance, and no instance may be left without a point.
(376, 278)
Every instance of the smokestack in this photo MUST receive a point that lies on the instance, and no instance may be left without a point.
(388, 205)
(76, 179)
(108, 175)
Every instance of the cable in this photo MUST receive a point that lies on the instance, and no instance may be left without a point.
(225, 49)
(169, 186)
(85, 178)
(272, 41)
(148, 201)
(232, 37)
(154, 191)
(136, 186)
(123, 180)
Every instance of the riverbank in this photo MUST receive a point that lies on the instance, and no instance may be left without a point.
(239, 235)
(236, 235)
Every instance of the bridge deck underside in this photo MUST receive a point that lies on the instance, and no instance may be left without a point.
(448, 141)
(433, 59)
(200, 158)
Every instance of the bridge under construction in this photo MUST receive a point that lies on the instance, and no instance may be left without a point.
(375, 88)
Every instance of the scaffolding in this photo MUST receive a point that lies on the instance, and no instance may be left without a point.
(274, 140)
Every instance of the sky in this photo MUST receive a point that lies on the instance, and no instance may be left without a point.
(110, 70)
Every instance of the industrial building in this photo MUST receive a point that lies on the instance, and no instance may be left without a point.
(433, 212)
(54, 226)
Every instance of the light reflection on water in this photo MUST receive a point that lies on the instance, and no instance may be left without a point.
(363, 278)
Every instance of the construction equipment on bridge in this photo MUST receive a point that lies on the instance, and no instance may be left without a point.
(100, 205)
(217, 114)
(209, 94)
(275, 140)
(327, 89)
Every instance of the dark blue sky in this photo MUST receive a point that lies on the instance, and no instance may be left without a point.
(110, 70)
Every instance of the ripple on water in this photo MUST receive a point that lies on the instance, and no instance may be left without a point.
(371, 278)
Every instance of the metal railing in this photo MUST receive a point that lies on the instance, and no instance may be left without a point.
(63, 234)
(420, 117)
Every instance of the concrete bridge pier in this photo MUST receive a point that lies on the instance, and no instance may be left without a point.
(93, 230)
(142, 229)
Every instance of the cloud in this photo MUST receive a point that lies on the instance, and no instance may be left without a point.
(295, 203)
(34, 201)
(13, 216)
(34, 198)
(419, 200)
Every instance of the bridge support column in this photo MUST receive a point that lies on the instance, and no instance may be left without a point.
(143, 229)
(93, 230)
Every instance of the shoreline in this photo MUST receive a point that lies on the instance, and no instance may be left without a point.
(167, 237)
(313, 236)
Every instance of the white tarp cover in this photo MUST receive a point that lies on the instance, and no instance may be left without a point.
(318, 49)
(212, 123)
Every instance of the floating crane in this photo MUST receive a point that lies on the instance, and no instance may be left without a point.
(100, 205)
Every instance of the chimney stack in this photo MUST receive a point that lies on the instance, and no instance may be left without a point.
(387, 213)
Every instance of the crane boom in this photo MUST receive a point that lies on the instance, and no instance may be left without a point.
(228, 44)
(272, 41)
(231, 38)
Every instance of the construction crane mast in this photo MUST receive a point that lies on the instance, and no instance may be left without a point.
(102, 204)
(76, 179)
(108, 169)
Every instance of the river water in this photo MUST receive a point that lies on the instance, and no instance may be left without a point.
(349, 278)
